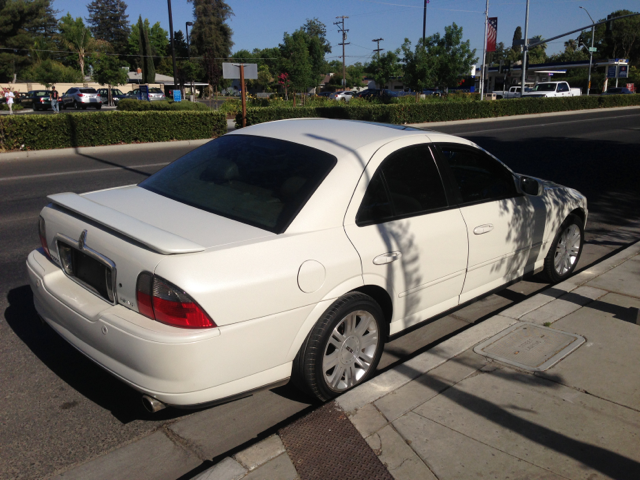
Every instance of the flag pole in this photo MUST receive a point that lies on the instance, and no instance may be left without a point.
(484, 51)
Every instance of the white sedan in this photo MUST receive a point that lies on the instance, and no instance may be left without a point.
(290, 249)
(343, 96)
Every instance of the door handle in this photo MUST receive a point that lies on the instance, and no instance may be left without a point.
(479, 230)
(387, 258)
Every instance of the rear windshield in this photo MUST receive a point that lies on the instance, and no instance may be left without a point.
(87, 90)
(260, 181)
(42, 93)
(155, 90)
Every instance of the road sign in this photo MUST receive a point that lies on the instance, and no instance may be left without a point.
(593, 49)
(177, 96)
(611, 71)
(623, 71)
(232, 71)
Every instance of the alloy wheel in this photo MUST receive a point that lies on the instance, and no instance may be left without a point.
(567, 250)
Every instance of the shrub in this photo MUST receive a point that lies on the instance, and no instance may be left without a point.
(37, 132)
(439, 110)
(16, 107)
(131, 105)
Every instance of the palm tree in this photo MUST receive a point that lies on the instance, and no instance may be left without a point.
(77, 38)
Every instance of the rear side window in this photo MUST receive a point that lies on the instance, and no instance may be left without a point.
(478, 177)
(260, 181)
(88, 90)
(406, 184)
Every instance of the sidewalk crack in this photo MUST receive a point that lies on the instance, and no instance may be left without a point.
(183, 443)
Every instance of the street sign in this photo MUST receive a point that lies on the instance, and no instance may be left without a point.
(623, 71)
(611, 71)
(593, 49)
(177, 96)
(232, 71)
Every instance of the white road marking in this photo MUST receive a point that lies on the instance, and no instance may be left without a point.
(76, 172)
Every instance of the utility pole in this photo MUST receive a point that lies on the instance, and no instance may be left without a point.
(524, 50)
(484, 51)
(187, 25)
(173, 49)
(591, 49)
(378, 50)
(424, 21)
(341, 29)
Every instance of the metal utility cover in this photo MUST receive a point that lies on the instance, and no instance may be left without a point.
(530, 346)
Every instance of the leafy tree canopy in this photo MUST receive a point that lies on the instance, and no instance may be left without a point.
(383, 68)
(454, 57)
(109, 22)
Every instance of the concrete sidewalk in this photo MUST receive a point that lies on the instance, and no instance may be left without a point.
(454, 413)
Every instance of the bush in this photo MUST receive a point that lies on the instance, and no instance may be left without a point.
(441, 110)
(131, 105)
(16, 107)
(37, 132)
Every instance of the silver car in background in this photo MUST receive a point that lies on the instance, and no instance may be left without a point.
(154, 94)
(81, 98)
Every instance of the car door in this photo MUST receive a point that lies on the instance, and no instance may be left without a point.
(505, 227)
(412, 242)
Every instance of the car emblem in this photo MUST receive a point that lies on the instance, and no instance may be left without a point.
(82, 240)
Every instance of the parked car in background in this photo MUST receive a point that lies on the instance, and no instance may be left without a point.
(324, 94)
(116, 94)
(513, 92)
(81, 98)
(552, 89)
(368, 93)
(618, 91)
(290, 249)
(343, 96)
(154, 94)
(37, 99)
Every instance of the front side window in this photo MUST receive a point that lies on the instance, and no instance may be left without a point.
(478, 177)
(260, 181)
(407, 183)
(563, 87)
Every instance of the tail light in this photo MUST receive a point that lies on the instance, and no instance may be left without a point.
(42, 100)
(81, 95)
(42, 231)
(163, 301)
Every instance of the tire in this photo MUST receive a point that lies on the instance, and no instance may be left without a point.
(84, 107)
(76, 105)
(98, 107)
(327, 363)
(565, 250)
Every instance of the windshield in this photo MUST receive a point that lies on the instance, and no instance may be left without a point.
(260, 181)
(88, 90)
(545, 87)
(155, 90)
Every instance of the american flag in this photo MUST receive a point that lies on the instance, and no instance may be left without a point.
(492, 34)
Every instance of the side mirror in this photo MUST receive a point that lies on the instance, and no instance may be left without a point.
(529, 185)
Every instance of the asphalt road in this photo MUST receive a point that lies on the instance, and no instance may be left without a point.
(59, 409)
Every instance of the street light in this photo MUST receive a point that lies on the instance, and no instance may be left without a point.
(591, 49)
(189, 24)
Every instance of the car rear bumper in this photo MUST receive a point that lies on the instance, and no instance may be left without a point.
(179, 367)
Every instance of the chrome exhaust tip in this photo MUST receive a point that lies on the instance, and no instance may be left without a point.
(152, 405)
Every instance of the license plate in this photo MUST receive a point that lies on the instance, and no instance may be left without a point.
(91, 273)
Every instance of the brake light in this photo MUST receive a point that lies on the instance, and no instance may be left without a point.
(81, 95)
(42, 232)
(42, 100)
(163, 301)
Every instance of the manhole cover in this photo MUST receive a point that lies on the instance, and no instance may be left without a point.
(530, 346)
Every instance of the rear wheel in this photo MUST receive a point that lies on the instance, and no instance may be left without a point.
(343, 348)
(99, 106)
(565, 250)
(76, 105)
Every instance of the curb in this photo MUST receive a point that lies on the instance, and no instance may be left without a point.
(354, 403)
(65, 152)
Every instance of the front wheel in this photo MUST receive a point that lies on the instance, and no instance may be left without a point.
(343, 348)
(565, 250)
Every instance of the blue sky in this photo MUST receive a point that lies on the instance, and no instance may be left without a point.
(260, 23)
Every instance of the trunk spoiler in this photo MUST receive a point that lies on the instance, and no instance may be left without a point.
(155, 238)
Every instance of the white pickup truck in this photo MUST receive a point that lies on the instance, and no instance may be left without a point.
(553, 89)
(513, 92)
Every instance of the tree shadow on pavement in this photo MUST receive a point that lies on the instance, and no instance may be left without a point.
(80, 373)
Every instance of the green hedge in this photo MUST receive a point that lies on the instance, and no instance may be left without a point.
(440, 111)
(130, 105)
(38, 132)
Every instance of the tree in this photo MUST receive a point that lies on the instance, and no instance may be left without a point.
(180, 45)
(419, 66)
(383, 68)
(296, 62)
(77, 38)
(314, 28)
(16, 18)
(108, 71)
(571, 53)
(517, 36)
(148, 68)
(157, 39)
(108, 21)
(622, 42)
(49, 72)
(210, 30)
(537, 54)
(453, 56)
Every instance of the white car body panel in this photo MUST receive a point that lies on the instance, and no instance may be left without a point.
(266, 291)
